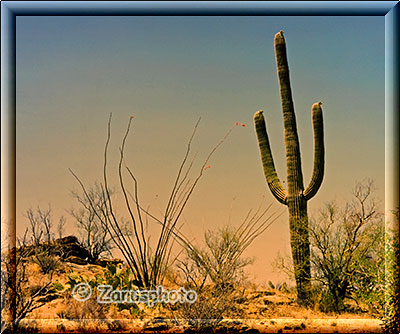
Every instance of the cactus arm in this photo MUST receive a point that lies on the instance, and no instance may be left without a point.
(271, 176)
(293, 159)
(319, 152)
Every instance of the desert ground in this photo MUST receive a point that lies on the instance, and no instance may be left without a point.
(249, 309)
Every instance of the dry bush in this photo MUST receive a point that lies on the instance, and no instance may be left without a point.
(216, 272)
(221, 262)
(15, 291)
(347, 254)
(90, 309)
(209, 309)
(348, 251)
(47, 263)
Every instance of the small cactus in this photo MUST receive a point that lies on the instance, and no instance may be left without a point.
(295, 197)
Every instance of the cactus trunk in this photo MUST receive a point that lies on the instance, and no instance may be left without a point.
(295, 197)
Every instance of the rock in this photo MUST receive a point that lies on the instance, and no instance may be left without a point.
(106, 262)
(69, 246)
(71, 239)
(76, 260)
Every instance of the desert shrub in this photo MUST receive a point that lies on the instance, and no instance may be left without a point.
(47, 262)
(211, 306)
(368, 286)
(391, 323)
(347, 254)
(348, 250)
(15, 290)
(221, 260)
(217, 270)
(82, 310)
(89, 315)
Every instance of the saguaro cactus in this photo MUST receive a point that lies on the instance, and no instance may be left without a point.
(295, 197)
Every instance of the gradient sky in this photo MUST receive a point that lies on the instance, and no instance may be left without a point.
(167, 72)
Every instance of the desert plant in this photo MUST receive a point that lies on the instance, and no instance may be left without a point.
(348, 251)
(60, 227)
(82, 310)
(211, 306)
(296, 197)
(41, 225)
(391, 323)
(221, 261)
(215, 271)
(14, 291)
(147, 264)
(119, 277)
(47, 262)
(94, 234)
(37, 241)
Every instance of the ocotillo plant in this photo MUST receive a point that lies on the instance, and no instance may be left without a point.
(295, 197)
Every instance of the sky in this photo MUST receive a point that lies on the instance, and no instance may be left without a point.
(72, 72)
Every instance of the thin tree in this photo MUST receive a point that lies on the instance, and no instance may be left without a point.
(40, 224)
(60, 227)
(94, 234)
